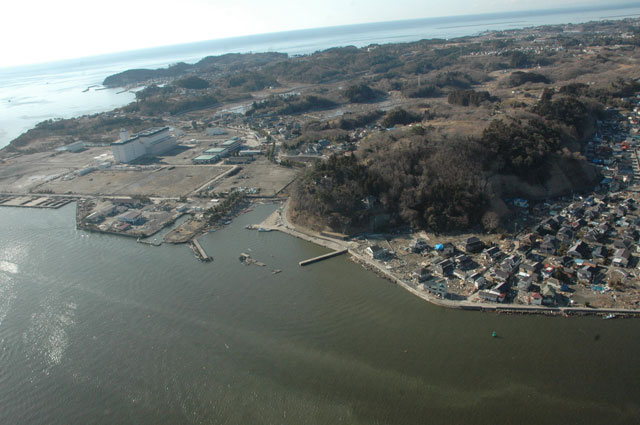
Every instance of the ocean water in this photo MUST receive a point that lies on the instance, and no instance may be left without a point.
(97, 329)
(30, 94)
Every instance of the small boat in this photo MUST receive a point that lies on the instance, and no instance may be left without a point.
(609, 316)
(262, 229)
(494, 334)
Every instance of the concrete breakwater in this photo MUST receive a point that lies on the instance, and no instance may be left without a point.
(322, 257)
(199, 251)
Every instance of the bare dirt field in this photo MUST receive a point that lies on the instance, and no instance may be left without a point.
(25, 172)
(177, 181)
(262, 174)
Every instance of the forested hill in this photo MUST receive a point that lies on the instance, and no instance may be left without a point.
(210, 64)
(442, 182)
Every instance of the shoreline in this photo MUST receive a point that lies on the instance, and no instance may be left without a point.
(278, 220)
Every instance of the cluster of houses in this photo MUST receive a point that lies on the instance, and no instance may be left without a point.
(591, 242)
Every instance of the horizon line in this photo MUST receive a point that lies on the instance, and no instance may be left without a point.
(615, 6)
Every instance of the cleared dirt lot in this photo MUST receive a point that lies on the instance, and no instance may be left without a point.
(25, 172)
(164, 181)
(262, 174)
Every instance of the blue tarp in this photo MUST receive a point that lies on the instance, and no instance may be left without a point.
(439, 247)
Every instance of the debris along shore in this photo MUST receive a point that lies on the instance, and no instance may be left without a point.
(247, 260)
(278, 221)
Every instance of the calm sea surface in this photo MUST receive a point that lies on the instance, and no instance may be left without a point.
(30, 94)
(97, 329)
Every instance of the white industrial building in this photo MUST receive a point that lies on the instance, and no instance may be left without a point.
(232, 145)
(150, 142)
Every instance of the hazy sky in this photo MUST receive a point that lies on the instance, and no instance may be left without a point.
(35, 31)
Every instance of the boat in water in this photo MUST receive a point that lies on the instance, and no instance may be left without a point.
(262, 229)
(609, 316)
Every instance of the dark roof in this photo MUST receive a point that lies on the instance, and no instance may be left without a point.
(144, 133)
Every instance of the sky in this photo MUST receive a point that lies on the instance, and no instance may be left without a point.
(35, 31)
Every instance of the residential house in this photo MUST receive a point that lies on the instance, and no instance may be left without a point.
(548, 245)
(621, 243)
(549, 295)
(579, 250)
(464, 261)
(444, 267)
(603, 229)
(530, 267)
(552, 224)
(535, 298)
(460, 274)
(436, 287)
(523, 249)
(524, 282)
(592, 214)
(555, 283)
(600, 253)
(478, 281)
(471, 245)
(630, 235)
(502, 287)
(492, 255)
(592, 236)
(578, 224)
(500, 276)
(620, 211)
(418, 245)
(586, 274)
(377, 252)
(565, 235)
(490, 295)
(621, 257)
(549, 271)
(448, 249)
(528, 239)
(510, 264)
(420, 275)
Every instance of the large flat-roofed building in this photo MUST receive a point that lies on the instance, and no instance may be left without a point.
(131, 217)
(153, 141)
(232, 145)
(221, 152)
(205, 159)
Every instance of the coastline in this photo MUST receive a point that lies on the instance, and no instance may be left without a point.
(279, 221)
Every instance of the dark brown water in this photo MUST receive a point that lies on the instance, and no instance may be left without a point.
(99, 329)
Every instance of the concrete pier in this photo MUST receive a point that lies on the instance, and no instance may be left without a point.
(200, 252)
(322, 257)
